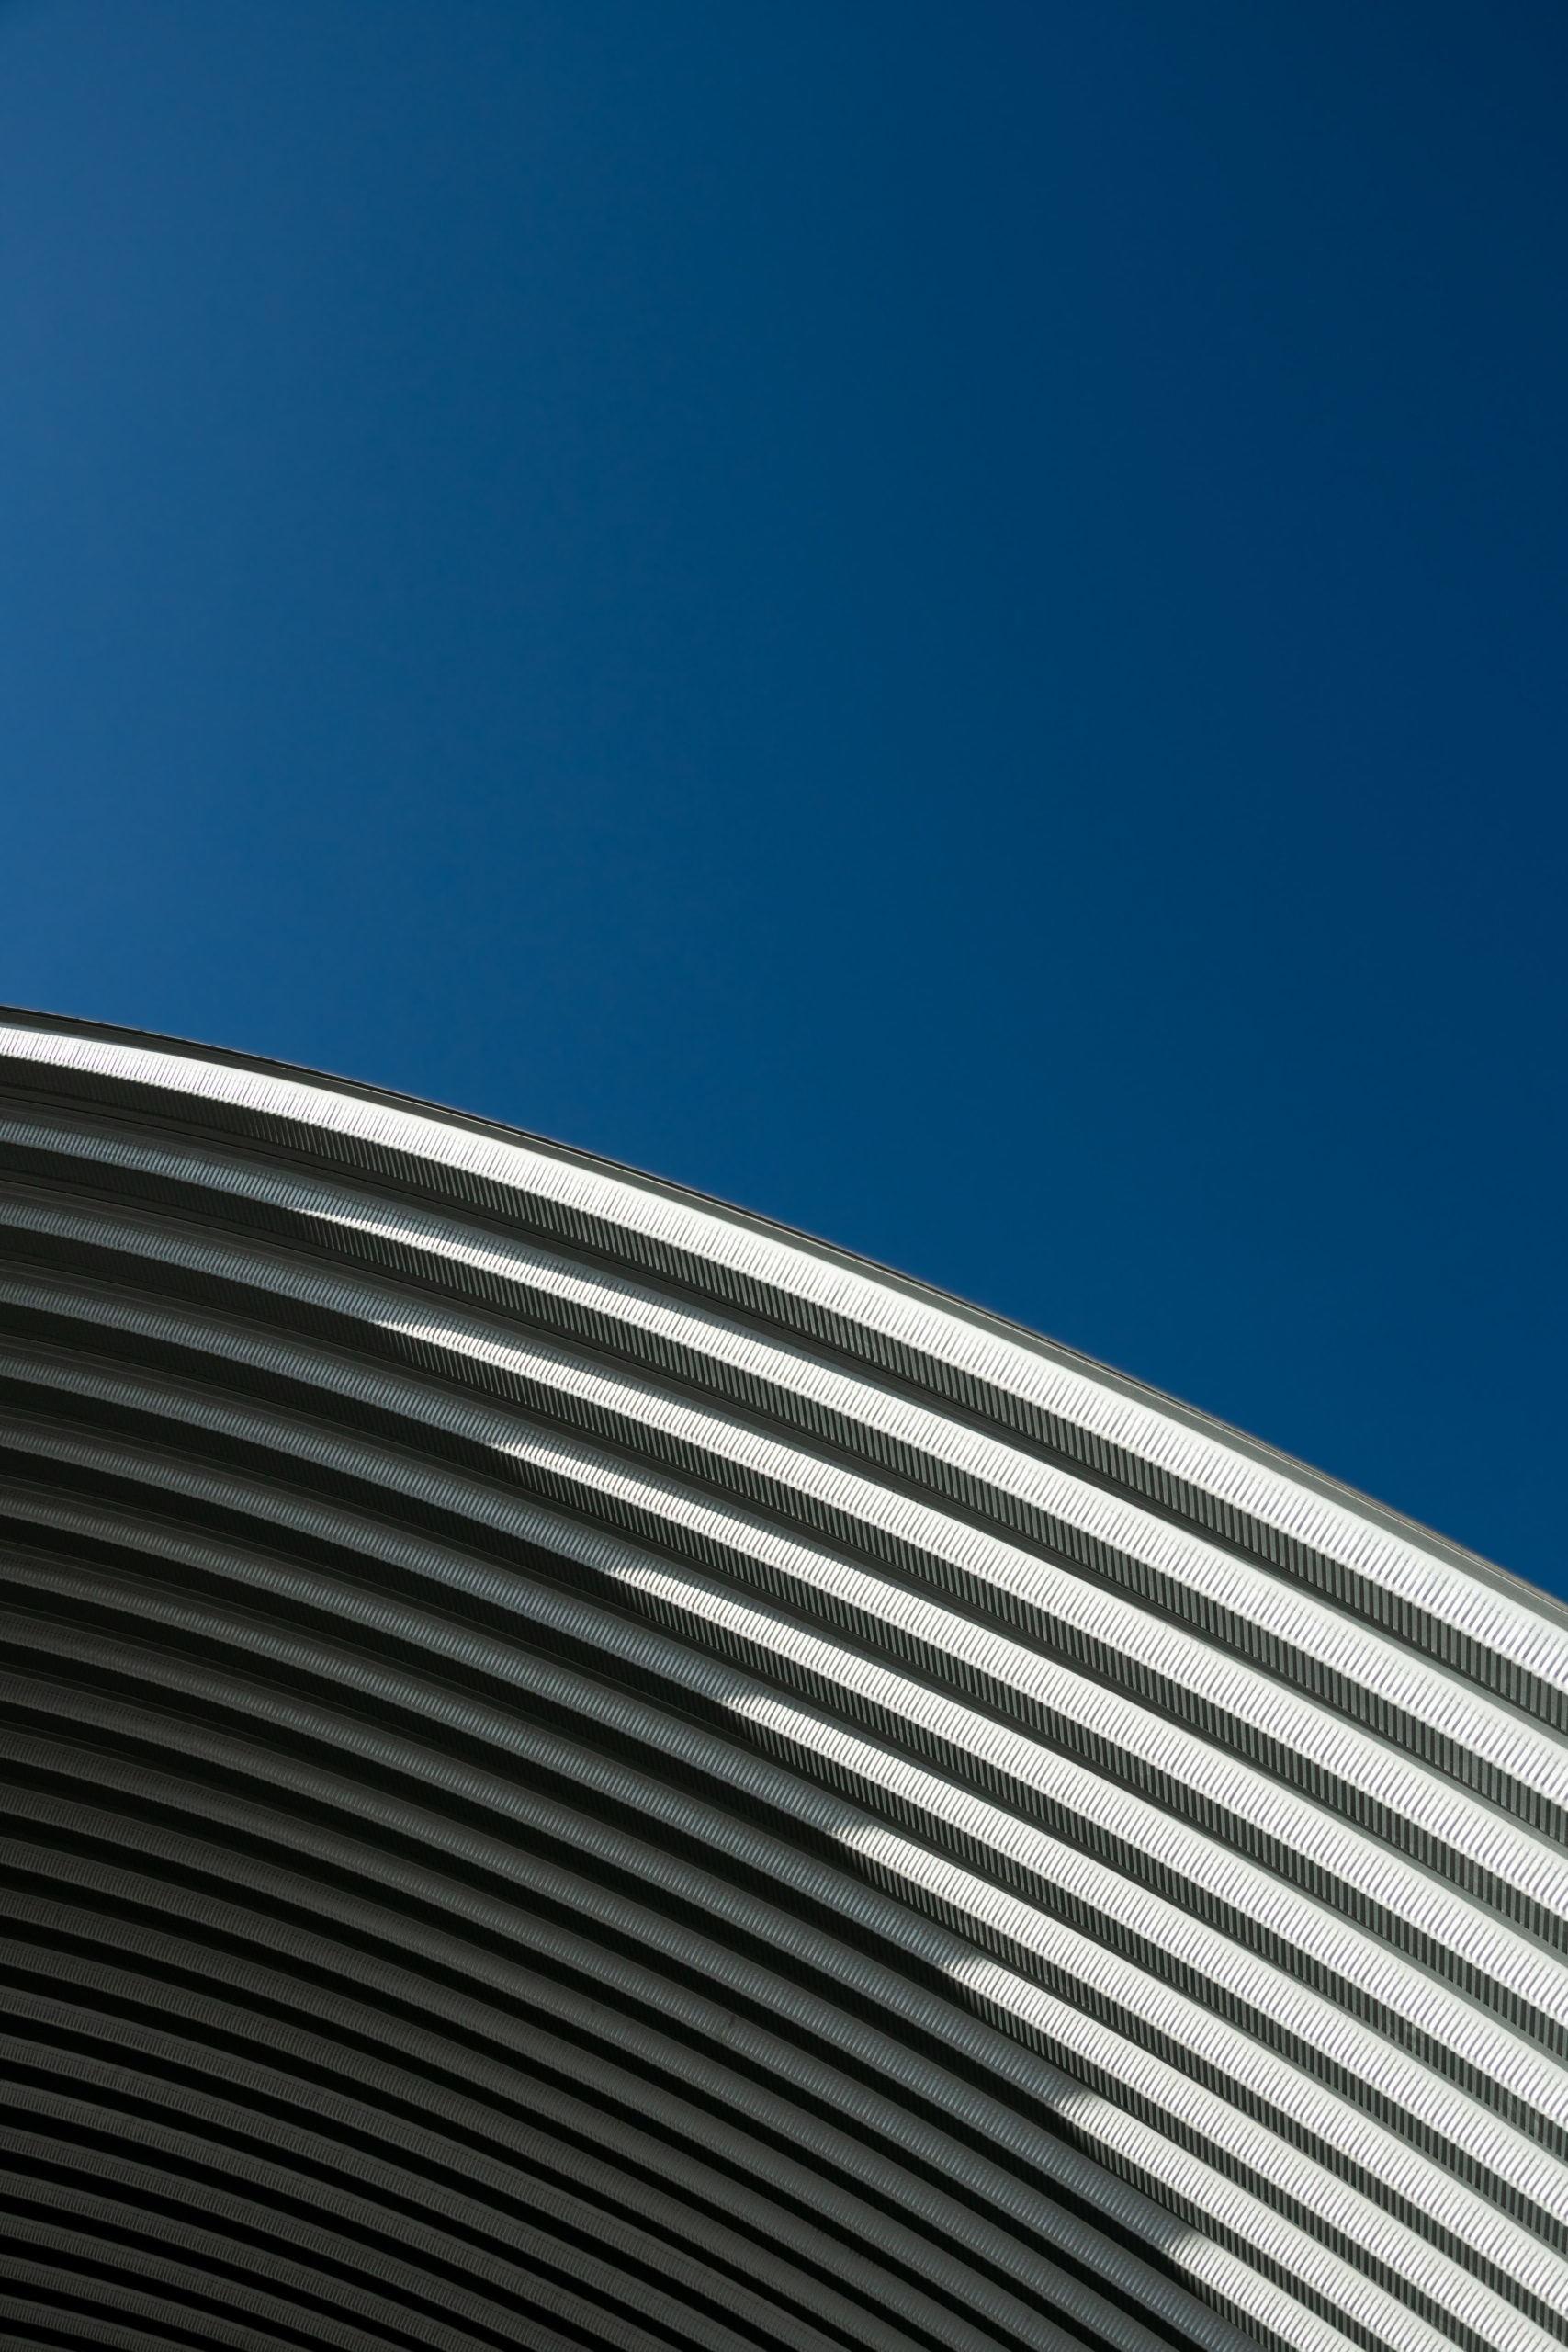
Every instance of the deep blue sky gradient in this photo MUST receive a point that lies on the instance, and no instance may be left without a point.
(946, 621)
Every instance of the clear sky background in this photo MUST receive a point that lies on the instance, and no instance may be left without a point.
(946, 621)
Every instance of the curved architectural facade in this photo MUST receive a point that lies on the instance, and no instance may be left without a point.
(581, 1771)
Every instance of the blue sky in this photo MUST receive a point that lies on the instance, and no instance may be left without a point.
(945, 621)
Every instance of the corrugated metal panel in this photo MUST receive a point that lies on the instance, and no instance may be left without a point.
(581, 1769)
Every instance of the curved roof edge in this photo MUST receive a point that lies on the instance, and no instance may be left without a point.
(1209, 1426)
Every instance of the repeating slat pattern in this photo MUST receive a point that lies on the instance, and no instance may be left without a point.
(582, 1771)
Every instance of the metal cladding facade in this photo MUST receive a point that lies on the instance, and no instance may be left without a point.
(581, 1771)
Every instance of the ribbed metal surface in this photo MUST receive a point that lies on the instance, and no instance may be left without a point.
(581, 1771)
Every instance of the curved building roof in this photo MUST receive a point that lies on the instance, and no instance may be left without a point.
(581, 1771)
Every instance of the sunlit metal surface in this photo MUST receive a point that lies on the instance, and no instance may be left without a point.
(581, 1770)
